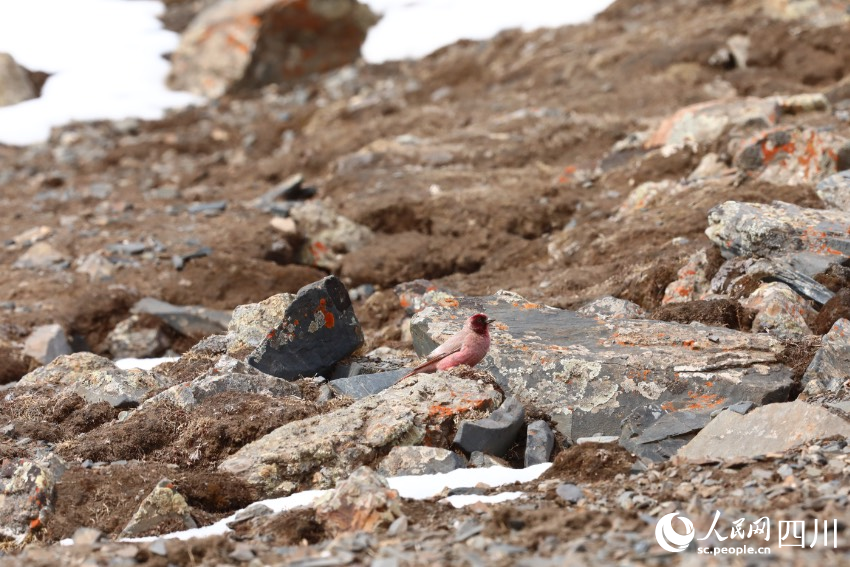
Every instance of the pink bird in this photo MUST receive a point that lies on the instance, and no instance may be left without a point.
(467, 346)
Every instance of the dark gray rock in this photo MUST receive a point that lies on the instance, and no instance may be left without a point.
(130, 248)
(319, 329)
(180, 261)
(416, 460)
(742, 408)
(190, 320)
(830, 368)
(364, 385)
(494, 434)
(539, 442)
(569, 493)
(213, 207)
(652, 433)
(794, 272)
(589, 374)
(290, 189)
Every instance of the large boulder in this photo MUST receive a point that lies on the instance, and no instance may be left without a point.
(318, 451)
(810, 239)
(589, 374)
(770, 429)
(245, 44)
(318, 330)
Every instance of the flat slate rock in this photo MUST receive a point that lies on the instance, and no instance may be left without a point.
(588, 374)
(363, 385)
(190, 320)
(654, 434)
(770, 429)
(319, 329)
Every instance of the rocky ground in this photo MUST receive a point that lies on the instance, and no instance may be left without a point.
(653, 206)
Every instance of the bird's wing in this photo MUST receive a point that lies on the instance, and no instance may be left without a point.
(432, 358)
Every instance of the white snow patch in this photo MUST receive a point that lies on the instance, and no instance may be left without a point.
(461, 500)
(104, 57)
(415, 28)
(143, 363)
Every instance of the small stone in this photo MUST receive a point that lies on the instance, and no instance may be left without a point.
(398, 526)
(597, 439)
(834, 190)
(87, 536)
(569, 493)
(363, 501)
(416, 460)
(163, 505)
(157, 547)
(243, 553)
(211, 208)
(467, 529)
(785, 471)
(41, 256)
(780, 311)
(612, 308)
(539, 442)
(46, 343)
(479, 460)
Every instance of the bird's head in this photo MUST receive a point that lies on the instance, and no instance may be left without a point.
(478, 323)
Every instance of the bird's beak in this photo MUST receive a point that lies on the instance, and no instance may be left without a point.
(490, 321)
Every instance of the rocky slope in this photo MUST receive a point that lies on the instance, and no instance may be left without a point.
(675, 172)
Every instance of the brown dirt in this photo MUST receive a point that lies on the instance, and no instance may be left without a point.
(42, 415)
(199, 438)
(716, 312)
(106, 497)
(836, 308)
(590, 462)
